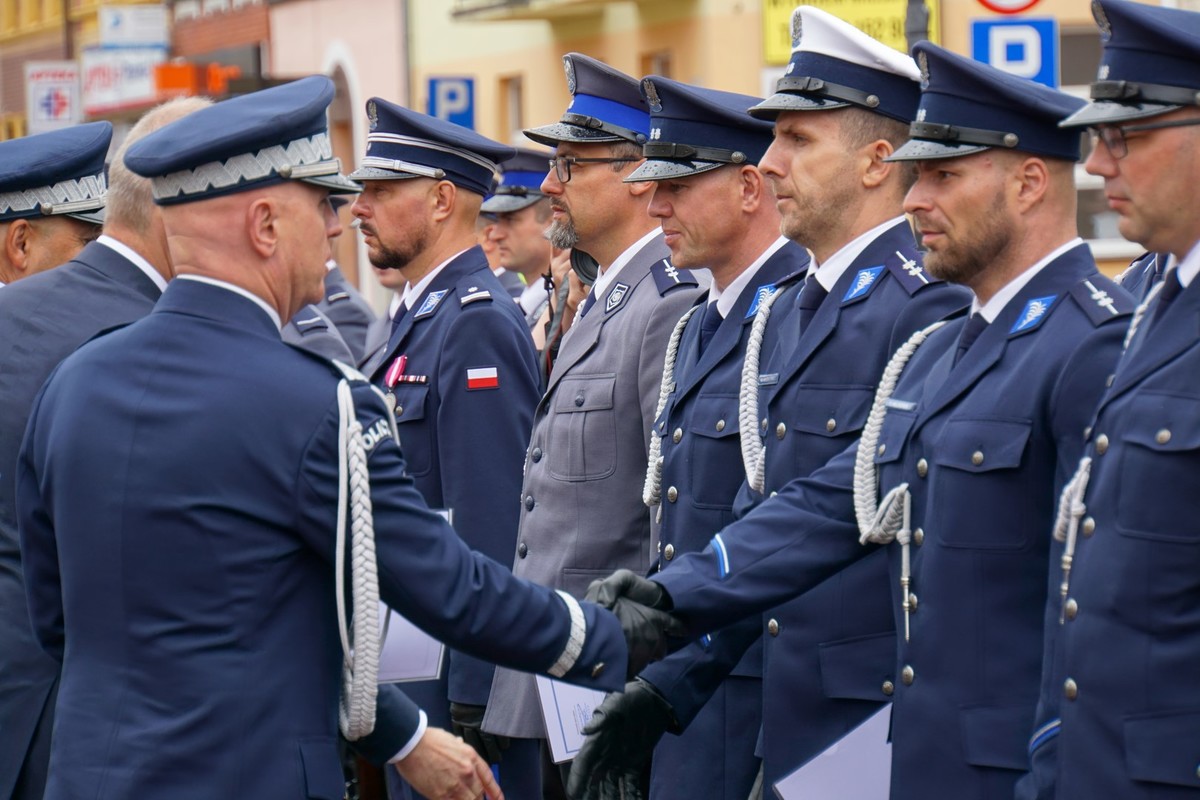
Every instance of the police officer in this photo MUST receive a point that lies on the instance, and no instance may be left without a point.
(182, 537)
(519, 212)
(343, 305)
(826, 340)
(1126, 614)
(52, 188)
(976, 426)
(459, 367)
(716, 211)
(581, 507)
(43, 318)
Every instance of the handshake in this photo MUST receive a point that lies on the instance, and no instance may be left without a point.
(642, 607)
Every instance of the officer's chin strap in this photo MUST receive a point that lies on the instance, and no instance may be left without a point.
(891, 519)
(652, 488)
(1071, 509)
(754, 452)
(360, 666)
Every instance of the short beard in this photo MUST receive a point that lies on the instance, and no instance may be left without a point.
(399, 258)
(964, 261)
(562, 234)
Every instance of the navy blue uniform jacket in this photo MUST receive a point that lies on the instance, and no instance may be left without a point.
(985, 448)
(177, 502)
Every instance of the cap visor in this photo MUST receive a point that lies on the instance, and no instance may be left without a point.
(923, 149)
(338, 184)
(96, 216)
(559, 132)
(376, 174)
(785, 101)
(1103, 112)
(505, 203)
(661, 170)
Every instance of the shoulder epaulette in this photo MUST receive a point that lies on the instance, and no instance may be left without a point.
(338, 296)
(908, 270)
(469, 292)
(309, 320)
(1102, 299)
(667, 277)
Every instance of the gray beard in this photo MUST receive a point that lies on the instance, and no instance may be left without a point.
(561, 233)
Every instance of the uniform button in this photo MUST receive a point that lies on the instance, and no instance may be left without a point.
(1089, 526)
(598, 669)
(1070, 689)
(780, 430)
(912, 602)
(672, 494)
(522, 549)
(1071, 608)
(908, 675)
(529, 502)
(720, 425)
(763, 425)
(922, 468)
(669, 552)
(882, 449)
(1198, 772)
(578, 400)
(677, 435)
(399, 410)
(889, 688)
(536, 455)
(773, 627)
(977, 457)
(919, 537)
(1163, 436)
(1101, 444)
(831, 424)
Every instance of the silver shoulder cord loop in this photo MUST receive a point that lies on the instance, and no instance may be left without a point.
(753, 449)
(1071, 508)
(890, 520)
(652, 488)
(362, 640)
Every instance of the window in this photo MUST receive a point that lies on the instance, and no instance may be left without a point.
(186, 9)
(512, 107)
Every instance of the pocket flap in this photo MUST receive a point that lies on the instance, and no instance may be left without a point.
(1164, 748)
(855, 669)
(893, 435)
(982, 445)
(410, 401)
(584, 394)
(714, 416)
(830, 410)
(1167, 423)
(322, 769)
(997, 736)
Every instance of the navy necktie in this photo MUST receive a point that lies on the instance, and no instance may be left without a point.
(589, 301)
(396, 320)
(811, 297)
(970, 332)
(1167, 294)
(709, 322)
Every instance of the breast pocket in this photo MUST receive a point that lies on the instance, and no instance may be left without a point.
(1162, 748)
(1160, 449)
(583, 429)
(415, 431)
(825, 419)
(714, 452)
(978, 476)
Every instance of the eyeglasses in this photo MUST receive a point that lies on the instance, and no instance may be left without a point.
(562, 164)
(1113, 136)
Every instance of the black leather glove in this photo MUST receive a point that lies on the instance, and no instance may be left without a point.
(466, 722)
(614, 762)
(641, 607)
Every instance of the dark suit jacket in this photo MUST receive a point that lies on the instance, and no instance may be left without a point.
(43, 318)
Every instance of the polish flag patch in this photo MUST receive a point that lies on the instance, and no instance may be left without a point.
(483, 378)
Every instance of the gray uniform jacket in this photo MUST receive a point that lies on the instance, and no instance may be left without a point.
(349, 312)
(582, 514)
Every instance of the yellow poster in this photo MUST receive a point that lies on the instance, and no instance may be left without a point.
(881, 19)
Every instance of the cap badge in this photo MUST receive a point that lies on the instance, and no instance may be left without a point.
(797, 28)
(652, 99)
(1101, 21)
(569, 68)
(372, 115)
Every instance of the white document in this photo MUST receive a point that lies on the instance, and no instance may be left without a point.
(566, 709)
(856, 767)
(409, 654)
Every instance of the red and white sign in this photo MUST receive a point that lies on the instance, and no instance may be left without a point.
(52, 95)
(483, 378)
(1008, 6)
(119, 78)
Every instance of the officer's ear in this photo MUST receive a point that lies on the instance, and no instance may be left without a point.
(1033, 181)
(443, 197)
(876, 170)
(18, 244)
(753, 188)
(262, 225)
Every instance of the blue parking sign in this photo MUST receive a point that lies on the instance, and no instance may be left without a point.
(453, 99)
(1022, 46)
